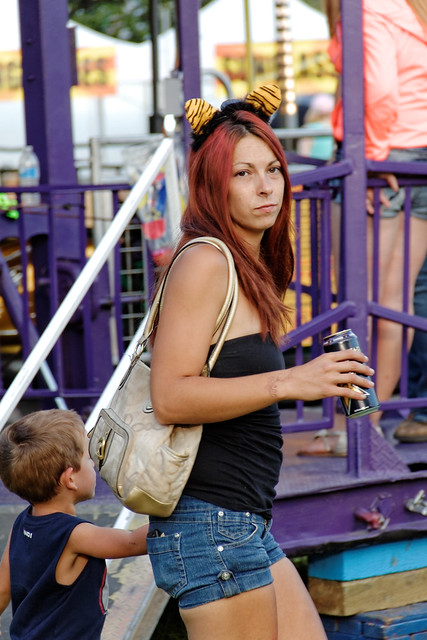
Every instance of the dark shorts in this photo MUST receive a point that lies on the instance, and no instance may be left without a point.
(396, 198)
(208, 553)
(418, 194)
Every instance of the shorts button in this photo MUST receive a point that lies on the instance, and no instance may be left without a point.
(221, 513)
(176, 535)
(247, 514)
(220, 548)
(225, 575)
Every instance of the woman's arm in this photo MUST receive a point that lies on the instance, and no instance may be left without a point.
(195, 292)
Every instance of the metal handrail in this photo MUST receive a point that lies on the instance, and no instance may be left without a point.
(164, 156)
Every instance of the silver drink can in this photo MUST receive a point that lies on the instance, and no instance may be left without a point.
(353, 408)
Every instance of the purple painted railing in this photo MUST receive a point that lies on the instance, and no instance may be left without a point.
(54, 276)
(83, 360)
(327, 307)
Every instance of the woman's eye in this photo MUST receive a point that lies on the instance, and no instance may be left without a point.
(275, 169)
(243, 172)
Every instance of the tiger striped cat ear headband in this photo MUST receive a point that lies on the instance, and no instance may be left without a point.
(204, 118)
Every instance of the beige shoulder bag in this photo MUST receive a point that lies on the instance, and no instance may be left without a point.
(147, 464)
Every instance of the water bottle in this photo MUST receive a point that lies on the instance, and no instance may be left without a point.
(29, 176)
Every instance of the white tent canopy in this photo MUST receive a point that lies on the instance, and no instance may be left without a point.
(126, 112)
(222, 21)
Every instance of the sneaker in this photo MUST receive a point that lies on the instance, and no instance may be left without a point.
(411, 430)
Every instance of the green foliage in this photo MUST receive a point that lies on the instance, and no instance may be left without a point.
(124, 19)
(130, 19)
(316, 4)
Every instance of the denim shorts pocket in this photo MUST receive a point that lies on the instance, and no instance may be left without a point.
(167, 563)
(233, 528)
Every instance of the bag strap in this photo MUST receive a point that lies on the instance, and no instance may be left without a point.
(225, 315)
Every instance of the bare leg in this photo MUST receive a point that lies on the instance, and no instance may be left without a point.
(391, 296)
(281, 611)
(251, 615)
(297, 615)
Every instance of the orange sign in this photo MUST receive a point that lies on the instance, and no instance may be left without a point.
(10, 75)
(313, 70)
(96, 70)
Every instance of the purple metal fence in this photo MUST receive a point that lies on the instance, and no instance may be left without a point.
(34, 285)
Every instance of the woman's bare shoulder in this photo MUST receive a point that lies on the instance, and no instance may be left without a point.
(195, 292)
(201, 265)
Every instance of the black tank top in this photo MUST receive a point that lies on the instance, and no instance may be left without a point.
(238, 461)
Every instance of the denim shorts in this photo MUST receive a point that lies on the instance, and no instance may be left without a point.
(418, 194)
(203, 552)
(396, 198)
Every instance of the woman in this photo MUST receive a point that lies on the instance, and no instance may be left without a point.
(216, 553)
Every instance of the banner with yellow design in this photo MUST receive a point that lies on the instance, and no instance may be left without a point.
(313, 70)
(96, 71)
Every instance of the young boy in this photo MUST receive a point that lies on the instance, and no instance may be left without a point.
(53, 568)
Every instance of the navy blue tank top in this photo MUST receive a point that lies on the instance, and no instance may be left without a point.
(238, 462)
(43, 609)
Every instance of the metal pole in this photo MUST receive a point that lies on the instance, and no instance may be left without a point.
(249, 52)
(81, 285)
(285, 69)
(156, 120)
(189, 59)
(354, 221)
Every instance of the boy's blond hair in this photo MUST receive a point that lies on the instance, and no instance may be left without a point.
(36, 449)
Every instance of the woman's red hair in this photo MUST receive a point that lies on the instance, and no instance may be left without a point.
(264, 281)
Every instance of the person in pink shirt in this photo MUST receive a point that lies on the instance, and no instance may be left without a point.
(395, 72)
(395, 43)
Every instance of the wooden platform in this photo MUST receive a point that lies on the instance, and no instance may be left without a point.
(369, 578)
(403, 623)
(345, 598)
(318, 499)
(369, 561)
(313, 473)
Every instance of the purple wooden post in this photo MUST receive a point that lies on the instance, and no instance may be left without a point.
(367, 451)
(353, 218)
(46, 81)
(47, 77)
(189, 55)
(354, 214)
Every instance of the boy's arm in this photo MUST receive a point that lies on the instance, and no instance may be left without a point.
(103, 542)
(5, 579)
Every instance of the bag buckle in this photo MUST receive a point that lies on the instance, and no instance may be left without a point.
(100, 449)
